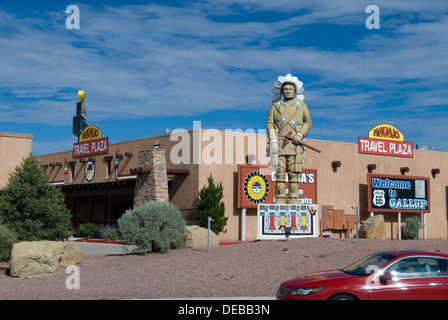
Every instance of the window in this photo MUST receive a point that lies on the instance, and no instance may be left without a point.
(368, 265)
(415, 267)
(444, 267)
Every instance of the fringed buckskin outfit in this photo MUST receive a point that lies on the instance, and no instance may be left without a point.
(287, 116)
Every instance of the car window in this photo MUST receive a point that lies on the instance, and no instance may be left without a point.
(415, 267)
(443, 267)
(369, 264)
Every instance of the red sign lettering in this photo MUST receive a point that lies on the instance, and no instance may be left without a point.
(91, 147)
(385, 147)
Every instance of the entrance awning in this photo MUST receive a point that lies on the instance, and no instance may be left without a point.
(99, 188)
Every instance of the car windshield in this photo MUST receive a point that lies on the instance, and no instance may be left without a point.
(369, 265)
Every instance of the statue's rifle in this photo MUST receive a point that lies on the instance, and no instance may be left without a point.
(289, 137)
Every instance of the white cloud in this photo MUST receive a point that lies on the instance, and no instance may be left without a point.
(158, 60)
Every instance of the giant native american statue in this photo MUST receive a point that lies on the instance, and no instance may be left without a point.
(288, 123)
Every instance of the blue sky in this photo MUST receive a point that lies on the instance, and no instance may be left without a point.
(151, 65)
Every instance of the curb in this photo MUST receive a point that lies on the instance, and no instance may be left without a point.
(125, 243)
(101, 241)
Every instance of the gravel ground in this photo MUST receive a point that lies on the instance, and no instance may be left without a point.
(246, 269)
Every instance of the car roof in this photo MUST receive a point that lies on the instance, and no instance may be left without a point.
(403, 253)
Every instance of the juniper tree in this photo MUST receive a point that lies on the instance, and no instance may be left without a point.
(32, 207)
(210, 204)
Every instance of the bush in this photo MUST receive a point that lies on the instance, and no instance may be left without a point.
(210, 204)
(88, 230)
(108, 232)
(412, 227)
(7, 240)
(153, 227)
(32, 207)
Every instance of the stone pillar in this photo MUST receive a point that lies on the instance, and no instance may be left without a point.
(152, 186)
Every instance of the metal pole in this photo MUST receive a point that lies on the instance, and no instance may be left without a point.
(357, 235)
(208, 228)
(356, 222)
(399, 225)
(425, 235)
(243, 224)
(209, 219)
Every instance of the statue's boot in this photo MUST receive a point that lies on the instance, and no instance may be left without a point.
(280, 192)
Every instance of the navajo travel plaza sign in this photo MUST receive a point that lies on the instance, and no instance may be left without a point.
(387, 140)
(90, 142)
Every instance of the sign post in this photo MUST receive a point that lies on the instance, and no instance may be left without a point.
(90, 139)
(356, 222)
(209, 219)
(79, 120)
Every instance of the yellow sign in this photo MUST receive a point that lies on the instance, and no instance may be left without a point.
(82, 95)
(90, 133)
(386, 132)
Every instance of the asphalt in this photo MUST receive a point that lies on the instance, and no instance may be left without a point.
(94, 248)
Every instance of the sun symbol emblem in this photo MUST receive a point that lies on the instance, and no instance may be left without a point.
(256, 187)
(89, 171)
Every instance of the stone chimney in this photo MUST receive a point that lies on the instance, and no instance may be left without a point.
(152, 186)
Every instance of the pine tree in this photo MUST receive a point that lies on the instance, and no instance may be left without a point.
(32, 207)
(210, 204)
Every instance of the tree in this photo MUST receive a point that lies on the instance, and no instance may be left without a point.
(32, 207)
(210, 204)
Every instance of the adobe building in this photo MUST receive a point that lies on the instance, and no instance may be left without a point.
(14, 147)
(380, 174)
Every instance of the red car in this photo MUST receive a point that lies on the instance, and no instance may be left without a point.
(390, 275)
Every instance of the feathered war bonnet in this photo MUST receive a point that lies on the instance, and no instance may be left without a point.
(288, 79)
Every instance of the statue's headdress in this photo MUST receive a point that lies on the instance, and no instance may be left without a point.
(277, 91)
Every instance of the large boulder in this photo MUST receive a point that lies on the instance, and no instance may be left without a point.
(72, 256)
(197, 237)
(373, 228)
(36, 258)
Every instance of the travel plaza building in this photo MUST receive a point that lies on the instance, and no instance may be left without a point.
(13, 146)
(380, 174)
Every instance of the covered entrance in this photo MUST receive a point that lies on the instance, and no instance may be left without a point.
(100, 203)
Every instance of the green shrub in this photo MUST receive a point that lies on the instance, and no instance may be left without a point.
(153, 227)
(88, 230)
(108, 232)
(412, 227)
(7, 240)
(32, 207)
(210, 204)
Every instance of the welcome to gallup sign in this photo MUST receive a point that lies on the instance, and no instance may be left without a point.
(389, 193)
